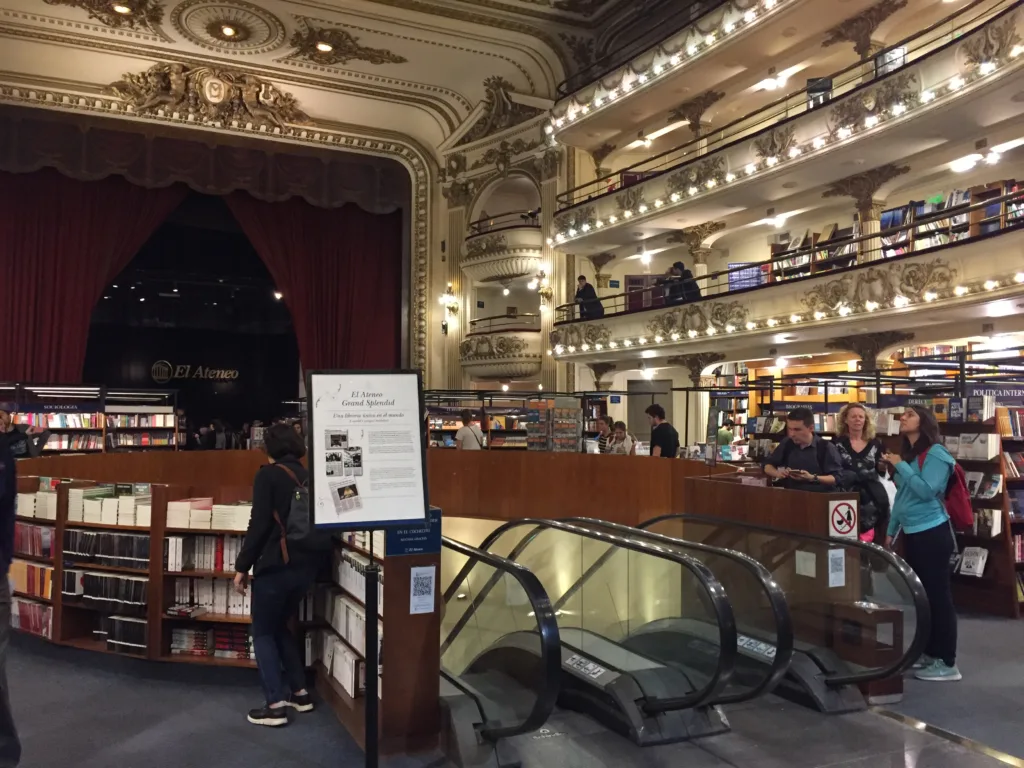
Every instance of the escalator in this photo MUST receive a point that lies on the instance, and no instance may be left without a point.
(501, 674)
(609, 670)
(859, 613)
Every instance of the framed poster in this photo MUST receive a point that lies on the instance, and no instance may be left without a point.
(367, 465)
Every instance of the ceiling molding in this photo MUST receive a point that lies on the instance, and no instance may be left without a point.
(439, 109)
(423, 171)
(77, 27)
(143, 14)
(255, 29)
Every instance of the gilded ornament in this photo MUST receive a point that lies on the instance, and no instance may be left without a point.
(696, 364)
(859, 29)
(209, 95)
(863, 187)
(455, 165)
(693, 237)
(776, 143)
(581, 49)
(335, 45)
(575, 219)
(578, 334)
(145, 14)
(485, 245)
(500, 112)
(692, 111)
(882, 284)
(868, 346)
(631, 198)
(501, 156)
(458, 194)
(897, 89)
(993, 43)
(698, 317)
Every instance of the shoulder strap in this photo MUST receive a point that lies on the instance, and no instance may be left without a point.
(277, 517)
(290, 474)
(822, 452)
(476, 436)
(921, 458)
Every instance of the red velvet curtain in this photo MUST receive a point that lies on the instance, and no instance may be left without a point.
(61, 242)
(340, 271)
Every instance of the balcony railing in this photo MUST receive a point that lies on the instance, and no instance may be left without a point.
(681, 17)
(507, 220)
(934, 231)
(898, 56)
(517, 322)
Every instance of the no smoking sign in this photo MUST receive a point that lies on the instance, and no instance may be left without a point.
(842, 519)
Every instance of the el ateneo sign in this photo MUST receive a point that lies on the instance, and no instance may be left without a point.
(163, 372)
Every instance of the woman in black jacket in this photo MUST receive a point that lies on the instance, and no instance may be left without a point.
(281, 578)
(861, 453)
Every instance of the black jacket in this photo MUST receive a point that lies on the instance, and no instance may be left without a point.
(8, 494)
(271, 490)
(23, 445)
(590, 304)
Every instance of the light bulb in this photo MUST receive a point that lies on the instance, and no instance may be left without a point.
(613, 345)
(844, 132)
(277, 295)
(730, 328)
(585, 347)
(750, 15)
(691, 49)
(693, 191)
(900, 302)
(559, 349)
(751, 325)
(585, 227)
(870, 306)
(327, 48)
(956, 83)
(819, 315)
(692, 334)
(987, 67)
(871, 121)
(599, 223)
(930, 296)
(549, 128)
(124, 10)
(540, 387)
(927, 96)
(1019, 277)
(571, 349)
(674, 197)
(991, 285)
(674, 337)
(504, 387)
(711, 331)
(642, 340)
(750, 169)
(794, 152)
(772, 322)
(818, 143)
(642, 77)
(627, 343)
(674, 61)
(658, 203)
(730, 177)
(599, 347)
(658, 339)
(772, 161)
(642, 208)
(227, 31)
(961, 290)
(795, 318)
(844, 311)
(505, 292)
(710, 183)
(627, 214)
(781, 362)
(572, 232)
(898, 109)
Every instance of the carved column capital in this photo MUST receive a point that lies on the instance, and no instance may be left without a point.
(693, 238)
(696, 363)
(600, 370)
(863, 187)
(599, 155)
(692, 111)
(458, 194)
(859, 29)
(868, 346)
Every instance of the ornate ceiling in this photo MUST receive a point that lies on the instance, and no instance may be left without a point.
(421, 68)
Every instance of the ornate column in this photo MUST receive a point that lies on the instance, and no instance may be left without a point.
(696, 402)
(868, 346)
(863, 188)
(599, 261)
(599, 155)
(458, 196)
(692, 112)
(553, 264)
(600, 370)
(693, 238)
(860, 29)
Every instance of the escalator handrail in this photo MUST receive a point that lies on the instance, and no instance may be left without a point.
(721, 606)
(914, 585)
(776, 599)
(547, 631)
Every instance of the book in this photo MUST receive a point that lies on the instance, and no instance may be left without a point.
(972, 561)
(978, 446)
(1014, 463)
(981, 408)
(988, 523)
(1017, 504)
(974, 482)
(955, 411)
(991, 486)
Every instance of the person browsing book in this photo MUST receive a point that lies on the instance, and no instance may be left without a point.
(283, 574)
(664, 438)
(803, 461)
(928, 535)
(469, 437)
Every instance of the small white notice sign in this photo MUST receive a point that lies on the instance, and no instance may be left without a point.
(421, 589)
(837, 567)
(806, 564)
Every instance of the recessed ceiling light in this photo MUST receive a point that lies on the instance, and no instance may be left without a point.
(124, 10)
(324, 47)
(227, 31)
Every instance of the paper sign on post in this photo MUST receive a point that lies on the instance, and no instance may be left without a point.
(837, 568)
(365, 447)
(805, 564)
(842, 519)
(421, 589)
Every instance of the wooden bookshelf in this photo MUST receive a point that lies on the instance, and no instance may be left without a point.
(996, 591)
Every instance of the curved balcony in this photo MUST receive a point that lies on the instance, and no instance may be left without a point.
(939, 69)
(503, 347)
(959, 267)
(503, 247)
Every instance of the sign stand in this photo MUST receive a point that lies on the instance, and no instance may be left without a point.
(367, 472)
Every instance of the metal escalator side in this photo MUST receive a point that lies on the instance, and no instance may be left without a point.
(860, 613)
(508, 658)
(764, 624)
(598, 620)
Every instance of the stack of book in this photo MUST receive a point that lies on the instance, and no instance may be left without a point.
(214, 595)
(350, 575)
(190, 641)
(230, 517)
(108, 591)
(1018, 548)
(25, 505)
(973, 446)
(123, 550)
(125, 634)
(348, 619)
(31, 578)
(32, 617)
(232, 642)
(1014, 461)
(180, 513)
(201, 553)
(35, 540)
(46, 505)
(988, 523)
(343, 664)
(1017, 505)
(61, 420)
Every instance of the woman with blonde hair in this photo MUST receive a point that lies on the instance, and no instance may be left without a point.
(861, 451)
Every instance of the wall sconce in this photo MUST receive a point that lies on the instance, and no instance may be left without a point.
(541, 285)
(451, 308)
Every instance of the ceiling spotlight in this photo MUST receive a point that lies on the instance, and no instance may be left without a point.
(647, 373)
(930, 296)
(987, 67)
(781, 362)
(278, 295)
(844, 310)
(227, 31)
(124, 10)
(504, 387)
(324, 47)
(961, 290)
(142, 299)
(645, 257)
(965, 163)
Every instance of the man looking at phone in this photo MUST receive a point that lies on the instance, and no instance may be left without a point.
(803, 461)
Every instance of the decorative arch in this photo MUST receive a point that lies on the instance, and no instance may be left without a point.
(487, 186)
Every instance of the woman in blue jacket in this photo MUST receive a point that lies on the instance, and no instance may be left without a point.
(929, 543)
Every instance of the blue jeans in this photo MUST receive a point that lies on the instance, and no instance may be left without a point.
(275, 600)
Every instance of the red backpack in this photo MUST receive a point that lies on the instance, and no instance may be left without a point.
(958, 498)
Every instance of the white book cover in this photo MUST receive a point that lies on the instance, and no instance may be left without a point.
(973, 561)
(108, 511)
(144, 514)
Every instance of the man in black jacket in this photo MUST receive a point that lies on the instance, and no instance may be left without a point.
(591, 307)
(10, 437)
(281, 577)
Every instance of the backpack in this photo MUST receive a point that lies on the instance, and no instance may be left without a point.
(300, 530)
(957, 499)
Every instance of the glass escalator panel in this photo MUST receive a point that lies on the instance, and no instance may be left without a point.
(763, 624)
(856, 608)
(499, 640)
(606, 590)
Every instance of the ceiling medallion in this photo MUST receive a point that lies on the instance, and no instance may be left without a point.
(133, 14)
(334, 45)
(211, 96)
(228, 26)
